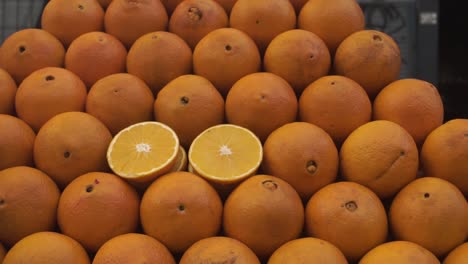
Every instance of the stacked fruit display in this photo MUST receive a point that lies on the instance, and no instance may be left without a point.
(203, 131)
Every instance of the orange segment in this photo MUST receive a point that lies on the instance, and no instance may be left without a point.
(226, 153)
(143, 151)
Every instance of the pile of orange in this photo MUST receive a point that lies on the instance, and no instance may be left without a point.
(203, 131)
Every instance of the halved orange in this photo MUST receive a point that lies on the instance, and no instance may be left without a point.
(143, 151)
(181, 160)
(225, 154)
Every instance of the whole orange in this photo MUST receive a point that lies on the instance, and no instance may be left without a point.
(356, 214)
(179, 209)
(128, 20)
(261, 102)
(189, 104)
(263, 212)
(28, 50)
(48, 92)
(302, 154)
(28, 203)
(95, 55)
(7, 93)
(67, 19)
(120, 100)
(458, 255)
(96, 207)
(402, 252)
(16, 141)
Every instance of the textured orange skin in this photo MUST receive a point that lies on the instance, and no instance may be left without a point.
(17, 141)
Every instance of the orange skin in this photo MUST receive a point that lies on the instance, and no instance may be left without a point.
(7, 93)
(17, 141)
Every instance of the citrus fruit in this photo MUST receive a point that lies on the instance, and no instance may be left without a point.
(227, 5)
(28, 50)
(193, 19)
(307, 250)
(170, 5)
(189, 104)
(263, 20)
(28, 203)
(104, 3)
(16, 141)
(120, 100)
(380, 155)
(430, 212)
(47, 247)
(224, 56)
(128, 20)
(95, 55)
(71, 144)
(2, 252)
(302, 154)
(356, 214)
(261, 102)
(218, 249)
(143, 151)
(48, 92)
(369, 57)
(263, 212)
(131, 248)
(7, 93)
(444, 153)
(298, 4)
(332, 21)
(96, 207)
(458, 255)
(181, 161)
(225, 154)
(179, 209)
(299, 56)
(402, 252)
(414, 104)
(159, 57)
(336, 104)
(67, 20)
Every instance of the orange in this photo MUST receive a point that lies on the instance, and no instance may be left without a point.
(128, 20)
(414, 104)
(142, 152)
(218, 250)
(332, 21)
(307, 250)
(120, 100)
(47, 247)
(444, 153)
(7, 93)
(181, 161)
(67, 20)
(189, 104)
(263, 20)
(104, 3)
(225, 155)
(159, 57)
(95, 55)
(298, 4)
(28, 203)
(356, 214)
(263, 212)
(380, 155)
(224, 56)
(71, 144)
(28, 50)
(48, 92)
(337, 104)
(170, 5)
(133, 248)
(16, 141)
(458, 255)
(194, 19)
(369, 57)
(227, 5)
(430, 212)
(299, 56)
(303, 155)
(261, 102)
(179, 209)
(96, 207)
(402, 252)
